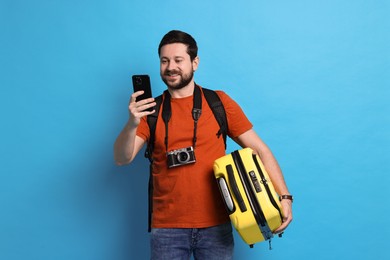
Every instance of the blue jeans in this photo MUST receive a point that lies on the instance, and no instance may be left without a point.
(204, 243)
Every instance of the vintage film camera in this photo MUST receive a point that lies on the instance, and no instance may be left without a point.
(181, 157)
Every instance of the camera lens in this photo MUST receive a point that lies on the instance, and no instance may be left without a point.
(138, 80)
(183, 157)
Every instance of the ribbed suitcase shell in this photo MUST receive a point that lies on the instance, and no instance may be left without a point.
(249, 195)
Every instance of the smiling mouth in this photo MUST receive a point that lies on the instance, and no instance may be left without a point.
(172, 73)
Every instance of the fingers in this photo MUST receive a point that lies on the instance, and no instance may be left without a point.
(138, 108)
(280, 230)
(142, 106)
(287, 216)
(135, 95)
(286, 222)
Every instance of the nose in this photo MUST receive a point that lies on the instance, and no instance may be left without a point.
(171, 65)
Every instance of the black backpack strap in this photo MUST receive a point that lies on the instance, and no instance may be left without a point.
(150, 198)
(219, 112)
(152, 122)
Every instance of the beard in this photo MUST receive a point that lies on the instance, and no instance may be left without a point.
(184, 79)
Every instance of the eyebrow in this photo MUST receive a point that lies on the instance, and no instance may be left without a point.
(176, 57)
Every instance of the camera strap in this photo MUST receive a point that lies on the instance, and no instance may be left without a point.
(196, 112)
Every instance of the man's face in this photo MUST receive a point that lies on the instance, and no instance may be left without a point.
(176, 67)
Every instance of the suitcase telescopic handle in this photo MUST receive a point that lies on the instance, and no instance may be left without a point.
(236, 191)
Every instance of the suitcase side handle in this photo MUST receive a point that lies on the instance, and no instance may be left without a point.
(236, 191)
(223, 188)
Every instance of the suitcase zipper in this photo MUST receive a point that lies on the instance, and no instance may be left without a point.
(266, 186)
(251, 194)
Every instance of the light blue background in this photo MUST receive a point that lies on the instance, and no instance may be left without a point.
(312, 76)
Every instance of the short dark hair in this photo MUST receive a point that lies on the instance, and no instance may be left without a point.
(176, 36)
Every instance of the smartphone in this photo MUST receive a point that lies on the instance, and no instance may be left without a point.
(142, 82)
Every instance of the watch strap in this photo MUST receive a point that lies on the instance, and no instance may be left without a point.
(286, 197)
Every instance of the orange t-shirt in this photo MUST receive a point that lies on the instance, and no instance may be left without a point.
(187, 196)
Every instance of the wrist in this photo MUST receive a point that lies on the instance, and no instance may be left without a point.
(286, 197)
(132, 124)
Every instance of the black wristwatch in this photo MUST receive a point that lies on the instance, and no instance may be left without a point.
(286, 197)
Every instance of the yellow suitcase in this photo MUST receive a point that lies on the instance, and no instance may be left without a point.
(249, 195)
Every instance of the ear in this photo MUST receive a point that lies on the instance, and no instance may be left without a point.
(195, 63)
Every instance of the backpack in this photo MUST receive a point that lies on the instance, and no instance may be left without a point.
(218, 110)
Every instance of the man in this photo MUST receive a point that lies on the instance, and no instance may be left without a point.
(188, 212)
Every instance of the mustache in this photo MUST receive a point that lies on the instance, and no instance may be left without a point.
(171, 72)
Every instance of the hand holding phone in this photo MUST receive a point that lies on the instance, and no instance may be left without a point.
(142, 82)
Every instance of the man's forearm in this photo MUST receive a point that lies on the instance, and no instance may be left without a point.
(274, 171)
(252, 140)
(124, 145)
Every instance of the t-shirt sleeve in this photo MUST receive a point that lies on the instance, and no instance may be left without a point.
(143, 129)
(238, 123)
